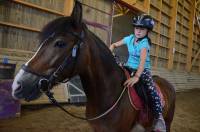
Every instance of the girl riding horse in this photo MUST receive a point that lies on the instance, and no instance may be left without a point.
(138, 45)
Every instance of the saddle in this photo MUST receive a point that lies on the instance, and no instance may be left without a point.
(139, 98)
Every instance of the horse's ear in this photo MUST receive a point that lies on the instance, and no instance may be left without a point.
(77, 13)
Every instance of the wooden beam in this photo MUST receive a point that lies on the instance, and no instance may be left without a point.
(68, 7)
(198, 52)
(197, 2)
(141, 7)
(118, 7)
(130, 2)
(38, 7)
(16, 50)
(126, 11)
(198, 23)
(121, 10)
(195, 58)
(134, 6)
(199, 66)
(19, 26)
(191, 30)
(172, 34)
(118, 15)
(158, 38)
(147, 5)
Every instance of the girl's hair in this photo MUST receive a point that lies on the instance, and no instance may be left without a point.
(149, 40)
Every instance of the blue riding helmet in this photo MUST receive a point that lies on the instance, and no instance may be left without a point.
(144, 20)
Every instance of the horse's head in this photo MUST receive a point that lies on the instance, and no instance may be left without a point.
(55, 59)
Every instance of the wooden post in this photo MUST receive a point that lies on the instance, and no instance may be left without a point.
(197, 2)
(158, 38)
(181, 37)
(147, 4)
(172, 35)
(191, 30)
(68, 7)
(198, 52)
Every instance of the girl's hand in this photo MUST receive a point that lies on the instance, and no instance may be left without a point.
(131, 81)
(112, 47)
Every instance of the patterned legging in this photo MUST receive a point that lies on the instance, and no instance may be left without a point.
(152, 93)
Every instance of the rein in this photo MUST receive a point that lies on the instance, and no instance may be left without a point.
(54, 101)
(46, 82)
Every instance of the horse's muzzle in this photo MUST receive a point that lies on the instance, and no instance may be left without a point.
(25, 86)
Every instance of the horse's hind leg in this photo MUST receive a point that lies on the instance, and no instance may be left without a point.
(169, 117)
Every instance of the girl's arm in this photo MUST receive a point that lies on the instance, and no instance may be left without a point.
(143, 55)
(116, 44)
(131, 81)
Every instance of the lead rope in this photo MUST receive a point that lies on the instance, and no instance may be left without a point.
(54, 101)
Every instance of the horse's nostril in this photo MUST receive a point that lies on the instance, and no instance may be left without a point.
(18, 87)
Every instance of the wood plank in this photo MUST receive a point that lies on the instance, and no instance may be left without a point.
(38, 7)
(191, 62)
(68, 7)
(19, 26)
(158, 38)
(172, 36)
(16, 50)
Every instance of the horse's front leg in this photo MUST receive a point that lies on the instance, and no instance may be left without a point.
(138, 128)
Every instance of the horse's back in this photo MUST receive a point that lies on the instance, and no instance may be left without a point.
(166, 88)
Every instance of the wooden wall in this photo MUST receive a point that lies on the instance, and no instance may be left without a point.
(176, 42)
(20, 24)
(99, 12)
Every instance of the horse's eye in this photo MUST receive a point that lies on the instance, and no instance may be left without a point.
(60, 44)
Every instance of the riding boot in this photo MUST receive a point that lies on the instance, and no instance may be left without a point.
(159, 124)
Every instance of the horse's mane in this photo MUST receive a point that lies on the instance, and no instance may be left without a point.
(60, 24)
(102, 46)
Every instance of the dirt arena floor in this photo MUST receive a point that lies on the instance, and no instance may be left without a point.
(51, 119)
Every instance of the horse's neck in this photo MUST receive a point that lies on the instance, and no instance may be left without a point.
(102, 79)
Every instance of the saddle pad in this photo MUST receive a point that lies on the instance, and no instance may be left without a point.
(137, 102)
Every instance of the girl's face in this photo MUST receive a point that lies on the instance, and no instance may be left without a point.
(140, 32)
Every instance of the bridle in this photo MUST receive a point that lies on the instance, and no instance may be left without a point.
(46, 82)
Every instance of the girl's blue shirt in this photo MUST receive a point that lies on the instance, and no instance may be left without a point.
(134, 52)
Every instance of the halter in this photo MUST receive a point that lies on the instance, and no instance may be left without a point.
(46, 82)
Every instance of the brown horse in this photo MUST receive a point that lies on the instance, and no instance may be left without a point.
(67, 49)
